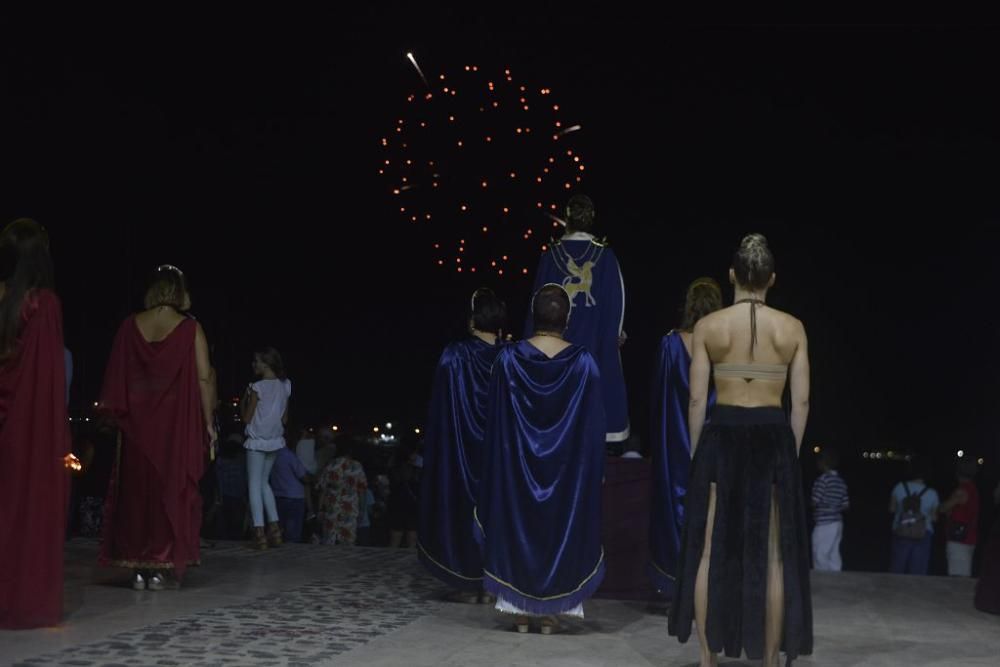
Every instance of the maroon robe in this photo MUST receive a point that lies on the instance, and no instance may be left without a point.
(34, 483)
(152, 515)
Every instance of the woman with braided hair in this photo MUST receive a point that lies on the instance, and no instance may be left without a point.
(743, 571)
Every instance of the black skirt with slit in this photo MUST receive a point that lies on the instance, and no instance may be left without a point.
(748, 453)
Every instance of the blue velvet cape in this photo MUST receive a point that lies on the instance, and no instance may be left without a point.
(539, 511)
(590, 273)
(670, 445)
(453, 463)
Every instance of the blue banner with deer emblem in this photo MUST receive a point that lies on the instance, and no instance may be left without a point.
(589, 271)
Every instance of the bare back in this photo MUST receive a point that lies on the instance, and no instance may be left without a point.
(779, 355)
(728, 340)
(157, 324)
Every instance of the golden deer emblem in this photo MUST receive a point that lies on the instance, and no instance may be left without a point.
(579, 280)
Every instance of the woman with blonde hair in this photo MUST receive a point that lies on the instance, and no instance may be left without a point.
(158, 387)
(743, 573)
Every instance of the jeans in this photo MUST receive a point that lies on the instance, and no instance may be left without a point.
(911, 556)
(826, 546)
(291, 514)
(259, 466)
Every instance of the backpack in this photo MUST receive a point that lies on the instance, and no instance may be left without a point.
(912, 522)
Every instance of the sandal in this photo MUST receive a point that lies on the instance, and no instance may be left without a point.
(259, 539)
(274, 534)
(550, 625)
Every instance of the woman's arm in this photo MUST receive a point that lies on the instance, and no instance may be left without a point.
(799, 379)
(701, 368)
(249, 405)
(206, 380)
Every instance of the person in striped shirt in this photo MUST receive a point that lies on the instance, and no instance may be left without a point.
(829, 501)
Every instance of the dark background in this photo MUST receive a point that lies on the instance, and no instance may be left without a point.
(245, 149)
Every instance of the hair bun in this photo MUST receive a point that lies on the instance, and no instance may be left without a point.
(754, 241)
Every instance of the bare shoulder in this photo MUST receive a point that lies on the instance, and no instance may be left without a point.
(789, 323)
(711, 323)
(715, 328)
(146, 323)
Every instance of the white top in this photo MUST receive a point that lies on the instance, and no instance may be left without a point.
(265, 432)
(305, 449)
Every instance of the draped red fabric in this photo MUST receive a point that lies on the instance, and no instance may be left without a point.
(34, 483)
(152, 515)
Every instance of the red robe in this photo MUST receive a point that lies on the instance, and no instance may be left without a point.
(152, 516)
(34, 483)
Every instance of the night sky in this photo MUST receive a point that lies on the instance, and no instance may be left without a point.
(245, 151)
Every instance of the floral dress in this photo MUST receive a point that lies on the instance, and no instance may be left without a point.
(341, 484)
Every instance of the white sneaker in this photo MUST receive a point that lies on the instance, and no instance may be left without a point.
(138, 583)
(155, 582)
